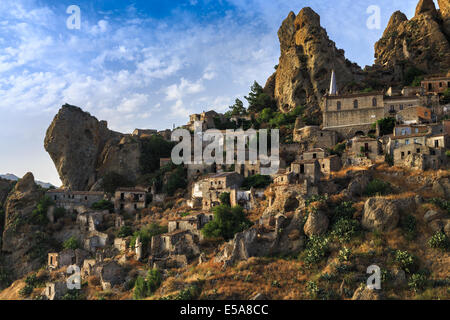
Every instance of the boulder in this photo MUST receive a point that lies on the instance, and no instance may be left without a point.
(380, 214)
(364, 293)
(447, 227)
(432, 215)
(317, 224)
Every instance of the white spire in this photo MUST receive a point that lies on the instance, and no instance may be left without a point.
(333, 87)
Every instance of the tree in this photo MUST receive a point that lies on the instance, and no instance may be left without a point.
(225, 199)
(237, 109)
(446, 96)
(258, 100)
(103, 205)
(177, 180)
(226, 223)
(257, 181)
(152, 150)
(386, 125)
(71, 243)
(144, 288)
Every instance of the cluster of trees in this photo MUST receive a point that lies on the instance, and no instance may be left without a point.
(145, 287)
(154, 148)
(146, 234)
(256, 181)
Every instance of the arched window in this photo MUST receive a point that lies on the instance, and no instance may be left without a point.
(355, 104)
(339, 105)
(374, 102)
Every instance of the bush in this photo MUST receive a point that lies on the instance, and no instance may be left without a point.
(409, 227)
(26, 291)
(344, 211)
(258, 100)
(345, 229)
(256, 181)
(378, 187)
(152, 150)
(386, 125)
(177, 180)
(417, 282)
(405, 260)
(446, 96)
(71, 243)
(103, 205)
(144, 288)
(338, 149)
(443, 204)
(226, 223)
(39, 215)
(146, 234)
(316, 250)
(439, 241)
(124, 232)
(225, 199)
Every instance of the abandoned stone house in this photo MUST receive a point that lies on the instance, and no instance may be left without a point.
(308, 170)
(414, 115)
(66, 258)
(436, 84)
(111, 274)
(216, 184)
(196, 170)
(55, 290)
(206, 118)
(248, 169)
(408, 129)
(246, 199)
(95, 240)
(178, 242)
(130, 199)
(67, 199)
(193, 223)
(366, 147)
(314, 136)
(327, 163)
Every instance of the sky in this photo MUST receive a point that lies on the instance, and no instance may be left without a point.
(148, 64)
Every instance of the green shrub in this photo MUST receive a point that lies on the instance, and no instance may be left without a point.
(71, 243)
(409, 227)
(124, 231)
(443, 204)
(313, 289)
(226, 223)
(345, 229)
(446, 96)
(26, 291)
(39, 215)
(338, 149)
(316, 250)
(177, 180)
(417, 282)
(439, 241)
(146, 234)
(256, 181)
(152, 150)
(225, 199)
(405, 261)
(386, 125)
(72, 295)
(345, 210)
(144, 288)
(259, 100)
(344, 254)
(103, 205)
(377, 187)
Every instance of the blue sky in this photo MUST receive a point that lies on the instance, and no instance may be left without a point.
(147, 64)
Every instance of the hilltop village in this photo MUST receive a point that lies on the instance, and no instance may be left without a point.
(363, 181)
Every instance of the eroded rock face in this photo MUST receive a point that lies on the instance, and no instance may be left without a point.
(364, 293)
(380, 214)
(307, 58)
(419, 42)
(317, 224)
(84, 149)
(444, 7)
(5, 188)
(20, 236)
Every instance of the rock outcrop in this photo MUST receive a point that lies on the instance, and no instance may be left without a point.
(364, 293)
(84, 149)
(444, 7)
(420, 42)
(5, 188)
(317, 224)
(307, 58)
(22, 240)
(380, 214)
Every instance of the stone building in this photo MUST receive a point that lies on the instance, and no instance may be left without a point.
(216, 184)
(164, 162)
(366, 147)
(349, 114)
(308, 170)
(197, 170)
(55, 290)
(414, 115)
(193, 223)
(178, 242)
(66, 258)
(436, 84)
(408, 129)
(327, 163)
(248, 169)
(314, 136)
(130, 199)
(67, 199)
(206, 118)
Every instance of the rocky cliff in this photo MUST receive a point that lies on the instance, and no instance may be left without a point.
(307, 58)
(21, 238)
(84, 149)
(420, 42)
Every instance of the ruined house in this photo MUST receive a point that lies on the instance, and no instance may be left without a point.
(55, 290)
(66, 258)
(206, 118)
(130, 200)
(314, 136)
(216, 184)
(414, 115)
(144, 132)
(70, 200)
(327, 163)
(193, 223)
(248, 169)
(308, 170)
(436, 84)
(367, 147)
